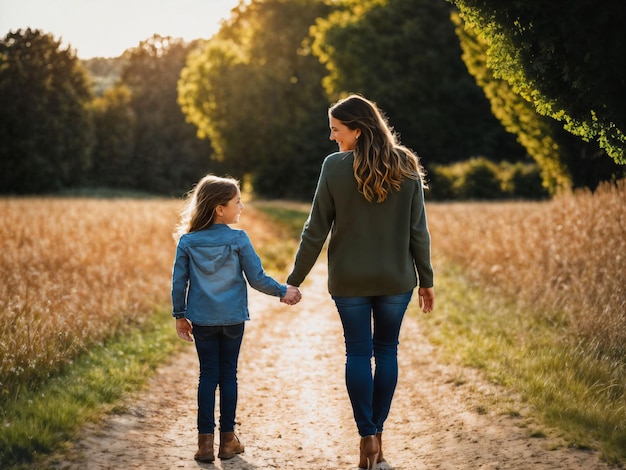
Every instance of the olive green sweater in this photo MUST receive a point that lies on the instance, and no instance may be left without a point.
(374, 248)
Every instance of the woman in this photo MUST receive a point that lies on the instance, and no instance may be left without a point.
(370, 197)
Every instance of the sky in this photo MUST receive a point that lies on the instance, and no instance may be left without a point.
(106, 28)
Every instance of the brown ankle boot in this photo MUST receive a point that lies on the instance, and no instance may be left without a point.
(379, 436)
(368, 456)
(205, 448)
(230, 445)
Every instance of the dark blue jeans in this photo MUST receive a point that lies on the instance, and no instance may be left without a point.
(218, 352)
(371, 395)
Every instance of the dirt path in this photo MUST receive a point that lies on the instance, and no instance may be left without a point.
(294, 412)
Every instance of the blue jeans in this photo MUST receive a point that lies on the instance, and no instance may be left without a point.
(218, 353)
(371, 395)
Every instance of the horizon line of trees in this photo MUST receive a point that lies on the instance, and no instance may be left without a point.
(491, 95)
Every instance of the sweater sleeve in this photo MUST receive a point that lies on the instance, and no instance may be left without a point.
(420, 239)
(315, 231)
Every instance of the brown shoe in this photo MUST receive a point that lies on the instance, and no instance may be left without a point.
(205, 448)
(230, 445)
(379, 436)
(368, 456)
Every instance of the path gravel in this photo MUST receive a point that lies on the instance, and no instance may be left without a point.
(294, 412)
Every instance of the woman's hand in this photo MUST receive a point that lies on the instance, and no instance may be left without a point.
(292, 296)
(427, 298)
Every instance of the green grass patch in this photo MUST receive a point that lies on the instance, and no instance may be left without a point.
(39, 421)
(277, 255)
(567, 384)
(290, 219)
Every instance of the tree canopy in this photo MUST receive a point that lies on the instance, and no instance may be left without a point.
(255, 91)
(564, 159)
(404, 55)
(565, 58)
(458, 80)
(166, 155)
(45, 130)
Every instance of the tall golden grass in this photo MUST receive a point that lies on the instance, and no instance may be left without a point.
(564, 259)
(75, 272)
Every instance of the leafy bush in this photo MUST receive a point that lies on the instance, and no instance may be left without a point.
(482, 179)
(478, 179)
(523, 181)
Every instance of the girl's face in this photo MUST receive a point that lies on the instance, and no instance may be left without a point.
(229, 213)
(344, 136)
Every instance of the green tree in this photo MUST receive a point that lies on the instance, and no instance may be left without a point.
(565, 58)
(479, 180)
(254, 90)
(104, 72)
(564, 160)
(114, 122)
(404, 55)
(167, 156)
(45, 129)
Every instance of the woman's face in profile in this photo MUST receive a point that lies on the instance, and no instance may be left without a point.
(343, 135)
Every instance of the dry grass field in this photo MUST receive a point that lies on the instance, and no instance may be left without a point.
(565, 259)
(74, 272)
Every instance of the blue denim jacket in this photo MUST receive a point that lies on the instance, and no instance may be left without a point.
(208, 284)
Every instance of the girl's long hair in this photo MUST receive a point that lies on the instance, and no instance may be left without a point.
(199, 211)
(381, 163)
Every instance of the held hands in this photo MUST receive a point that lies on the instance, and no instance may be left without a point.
(183, 329)
(292, 297)
(427, 298)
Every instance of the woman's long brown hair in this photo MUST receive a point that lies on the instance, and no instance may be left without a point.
(381, 163)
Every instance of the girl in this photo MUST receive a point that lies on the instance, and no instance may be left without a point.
(209, 297)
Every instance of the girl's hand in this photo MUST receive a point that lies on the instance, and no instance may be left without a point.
(183, 328)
